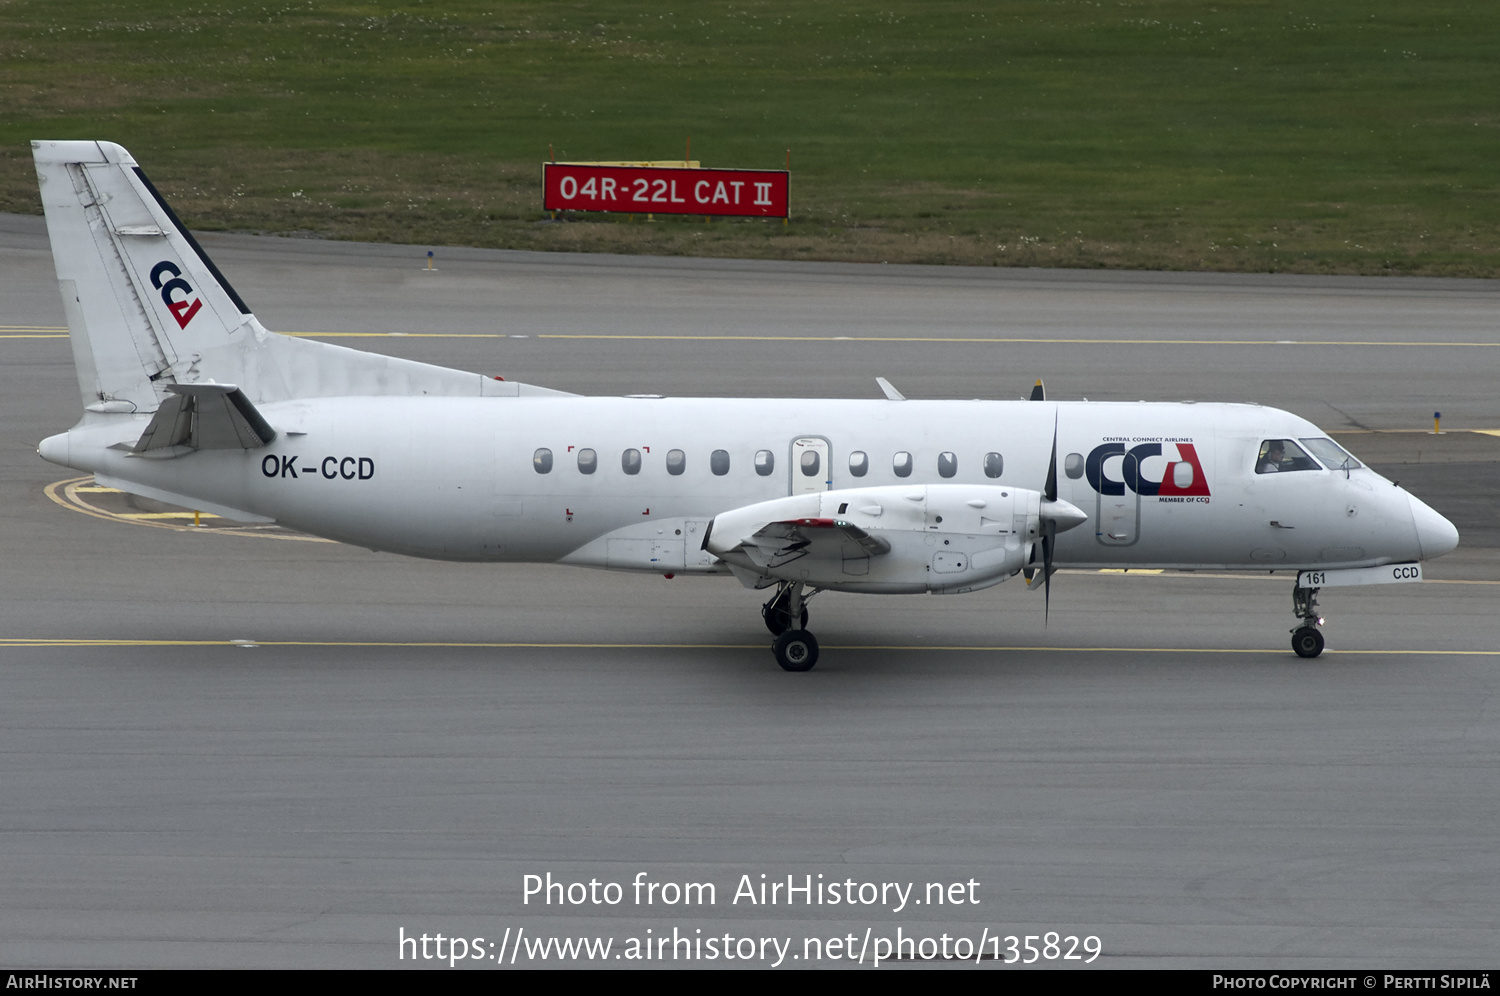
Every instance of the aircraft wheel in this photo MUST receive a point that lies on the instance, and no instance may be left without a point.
(1308, 642)
(779, 620)
(796, 650)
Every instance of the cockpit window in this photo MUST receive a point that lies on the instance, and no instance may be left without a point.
(1332, 455)
(1279, 456)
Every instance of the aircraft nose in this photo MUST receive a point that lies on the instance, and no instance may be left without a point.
(1435, 534)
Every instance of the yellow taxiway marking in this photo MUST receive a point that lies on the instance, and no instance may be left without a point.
(1012, 340)
(396, 335)
(462, 645)
(1418, 432)
(165, 515)
(69, 493)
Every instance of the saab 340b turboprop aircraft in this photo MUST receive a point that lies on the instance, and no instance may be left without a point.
(188, 399)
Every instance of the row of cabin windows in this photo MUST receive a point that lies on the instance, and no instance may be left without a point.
(810, 463)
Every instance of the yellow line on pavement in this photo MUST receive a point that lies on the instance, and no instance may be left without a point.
(164, 515)
(395, 335)
(67, 494)
(1009, 340)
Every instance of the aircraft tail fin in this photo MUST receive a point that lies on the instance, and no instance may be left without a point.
(143, 301)
(147, 309)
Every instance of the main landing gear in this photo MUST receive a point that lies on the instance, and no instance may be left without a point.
(795, 649)
(1307, 639)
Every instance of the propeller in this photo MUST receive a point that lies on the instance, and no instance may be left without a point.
(1049, 525)
(1053, 516)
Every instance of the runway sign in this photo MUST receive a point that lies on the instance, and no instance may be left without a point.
(752, 193)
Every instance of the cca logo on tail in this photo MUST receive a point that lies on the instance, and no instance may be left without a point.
(182, 310)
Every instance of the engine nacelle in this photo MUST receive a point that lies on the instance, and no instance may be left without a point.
(940, 538)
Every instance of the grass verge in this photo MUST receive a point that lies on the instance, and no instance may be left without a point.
(1335, 137)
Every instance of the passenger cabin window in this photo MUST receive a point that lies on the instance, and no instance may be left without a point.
(676, 462)
(541, 460)
(947, 464)
(1073, 466)
(859, 463)
(1332, 455)
(765, 462)
(718, 462)
(630, 461)
(810, 463)
(994, 465)
(1281, 456)
(902, 464)
(588, 461)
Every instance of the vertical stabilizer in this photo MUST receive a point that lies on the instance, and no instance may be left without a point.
(147, 309)
(144, 304)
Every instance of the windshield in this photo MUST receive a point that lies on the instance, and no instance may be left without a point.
(1333, 456)
(1280, 456)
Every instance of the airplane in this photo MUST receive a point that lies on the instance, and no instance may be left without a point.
(188, 399)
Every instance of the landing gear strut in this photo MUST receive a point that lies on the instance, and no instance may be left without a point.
(795, 649)
(1307, 640)
(777, 611)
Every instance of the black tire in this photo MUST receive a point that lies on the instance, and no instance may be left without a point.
(796, 650)
(1307, 641)
(778, 619)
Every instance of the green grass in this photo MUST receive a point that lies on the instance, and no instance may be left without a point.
(1316, 137)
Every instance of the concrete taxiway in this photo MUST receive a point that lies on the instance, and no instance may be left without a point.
(229, 748)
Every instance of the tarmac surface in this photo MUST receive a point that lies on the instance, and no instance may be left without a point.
(228, 747)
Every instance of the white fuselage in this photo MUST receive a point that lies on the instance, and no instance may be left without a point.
(458, 478)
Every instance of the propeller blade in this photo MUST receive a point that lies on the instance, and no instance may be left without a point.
(1049, 525)
(1038, 393)
(1049, 535)
(1050, 491)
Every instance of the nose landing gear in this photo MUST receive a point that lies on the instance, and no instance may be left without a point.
(1307, 639)
(795, 648)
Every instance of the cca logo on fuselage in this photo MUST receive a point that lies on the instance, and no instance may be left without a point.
(1187, 482)
(184, 309)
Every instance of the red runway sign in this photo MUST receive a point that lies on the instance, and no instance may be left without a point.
(754, 193)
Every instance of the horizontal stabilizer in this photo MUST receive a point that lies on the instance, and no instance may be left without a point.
(205, 417)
